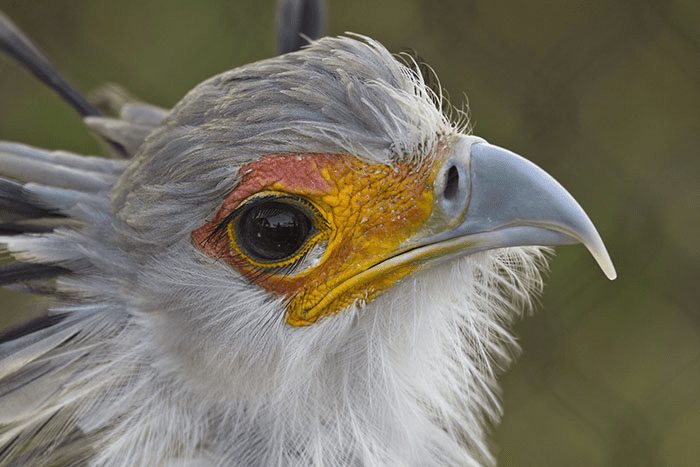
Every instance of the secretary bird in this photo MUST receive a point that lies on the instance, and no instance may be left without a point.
(305, 262)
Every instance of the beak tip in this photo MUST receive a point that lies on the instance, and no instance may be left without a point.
(609, 271)
(600, 254)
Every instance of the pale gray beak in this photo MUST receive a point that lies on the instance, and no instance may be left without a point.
(487, 197)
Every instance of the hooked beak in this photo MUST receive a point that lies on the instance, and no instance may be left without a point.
(486, 197)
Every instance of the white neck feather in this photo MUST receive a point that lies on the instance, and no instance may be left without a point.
(407, 380)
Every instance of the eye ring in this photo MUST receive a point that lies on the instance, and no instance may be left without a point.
(275, 230)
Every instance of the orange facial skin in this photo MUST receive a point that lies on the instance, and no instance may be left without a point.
(370, 210)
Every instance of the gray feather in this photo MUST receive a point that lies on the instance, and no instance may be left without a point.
(128, 136)
(56, 168)
(20, 272)
(31, 328)
(141, 113)
(298, 22)
(18, 46)
(136, 119)
(8, 228)
(16, 202)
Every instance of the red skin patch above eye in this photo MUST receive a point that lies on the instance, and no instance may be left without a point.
(370, 210)
(293, 173)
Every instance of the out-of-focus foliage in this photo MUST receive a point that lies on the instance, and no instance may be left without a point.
(603, 95)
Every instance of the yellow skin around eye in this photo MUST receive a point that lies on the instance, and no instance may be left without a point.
(370, 210)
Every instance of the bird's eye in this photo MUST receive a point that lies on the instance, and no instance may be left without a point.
(273, 230)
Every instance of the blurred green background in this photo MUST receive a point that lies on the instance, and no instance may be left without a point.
(603, 95)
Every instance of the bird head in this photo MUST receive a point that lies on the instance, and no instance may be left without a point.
(297, 220)
(308, 248)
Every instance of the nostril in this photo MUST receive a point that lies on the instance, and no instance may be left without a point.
(452, 188)
(451, 183)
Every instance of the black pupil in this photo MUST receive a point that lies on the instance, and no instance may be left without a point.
(272, 230)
